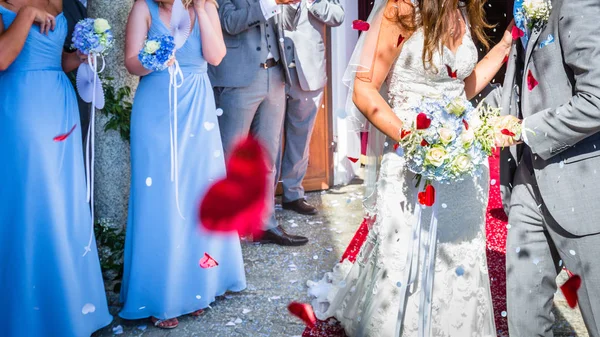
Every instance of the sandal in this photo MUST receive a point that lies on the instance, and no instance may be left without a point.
(170, 323)
(197, 313)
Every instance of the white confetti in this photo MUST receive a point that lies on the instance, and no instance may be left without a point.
(198, 297)
(560, 263)
(386, 144)
(118, 330)
(209, 126)
(293, 281)
(493, 182)
(508, 226)
(561, 164)
(238, 321)
(217, 153)
(518, 249)
(142, 308)
(444, 206)
(142, 327)
(274, 298)
(246, 311)
(219, 112)
(230, 324)
(315, 257)
(504, 314)
(88, 308)
(572, 252)
(536, 261)
(148, 181)
(294, 225)
(329, 249)
(281, 40)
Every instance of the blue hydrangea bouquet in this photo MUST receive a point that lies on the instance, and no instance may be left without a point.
(157, 52)
(449, 139)
(92, 36)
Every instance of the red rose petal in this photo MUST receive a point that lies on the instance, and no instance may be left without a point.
(424, 143)
(517, 33)
(208, 262)
(400, 40)
(304, 312)
(64, 136)
(354, 160)
(427, 197)
(531, 81)
(505, 59)
(570, 288)
(404, 133)
(238, 202)
(507, 132)
(396, 146)
(451, 73)
(423, 122)
(360, 25)
(465, 124)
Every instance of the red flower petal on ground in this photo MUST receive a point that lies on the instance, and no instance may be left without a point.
(360, 25)
(354, 160)
(507, 132)
(465, 124)
(400, 40)
(423, 122)
(424, 143)
(304, 312)
(64, 136)
(517, 33)
(531, 81)
(451, 73)
(208, 262)
(238, 202)
(427, 197)
(570, 288)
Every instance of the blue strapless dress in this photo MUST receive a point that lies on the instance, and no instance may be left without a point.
(162, 276)
(47, 286)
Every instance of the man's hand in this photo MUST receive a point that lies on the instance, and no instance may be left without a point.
(507, 131)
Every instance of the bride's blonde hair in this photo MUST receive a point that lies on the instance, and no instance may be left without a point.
(188, 3)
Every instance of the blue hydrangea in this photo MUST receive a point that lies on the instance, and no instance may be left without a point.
(158, 59)
(88, 41)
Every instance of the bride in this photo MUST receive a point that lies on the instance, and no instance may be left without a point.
(417, 50)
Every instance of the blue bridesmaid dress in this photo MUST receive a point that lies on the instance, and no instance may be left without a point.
(47, 286)
(162, 276)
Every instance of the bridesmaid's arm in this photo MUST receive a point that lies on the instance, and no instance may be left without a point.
(213, 45)
(138, 25)
(70, 61)
(487, 68)
(13, 39)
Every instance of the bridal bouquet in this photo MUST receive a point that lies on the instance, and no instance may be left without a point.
(449, 139)
(92, 36)
(157, 53)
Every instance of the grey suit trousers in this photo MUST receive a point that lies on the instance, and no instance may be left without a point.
(301, 112)
(537, 248)
(258, 110)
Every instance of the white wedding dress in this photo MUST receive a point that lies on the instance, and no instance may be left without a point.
(365, 296)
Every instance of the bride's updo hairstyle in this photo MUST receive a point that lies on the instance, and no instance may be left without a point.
(433, 16)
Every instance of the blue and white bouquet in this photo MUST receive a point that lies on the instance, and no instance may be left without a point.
(157, 52)
(92, 36)
(449, 140)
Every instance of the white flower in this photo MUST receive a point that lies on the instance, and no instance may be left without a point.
(537, 11)
(462, 163)
(467, 137)
(457, 107)
(101, 26)
(151, 46)
(446, 135)
(475, 122)
(436, 156)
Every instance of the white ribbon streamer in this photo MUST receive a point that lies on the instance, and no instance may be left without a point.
(175, 74)
(90, 140)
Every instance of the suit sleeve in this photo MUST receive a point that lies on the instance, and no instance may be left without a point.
(557, 129)
(236, 20)
(290, 16)
(330, 12)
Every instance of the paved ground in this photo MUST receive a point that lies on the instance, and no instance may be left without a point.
(277, 276)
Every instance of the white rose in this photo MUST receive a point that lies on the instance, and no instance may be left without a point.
(151, 47)
(446, 135)
(467, 137)
(436, 156)
(456, 107)
(462, 163)
(475, 122)
(101, 26)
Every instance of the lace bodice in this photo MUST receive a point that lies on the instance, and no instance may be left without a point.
(409, 81)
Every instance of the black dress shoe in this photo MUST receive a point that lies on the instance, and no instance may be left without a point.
(278, 236)
(300, 206)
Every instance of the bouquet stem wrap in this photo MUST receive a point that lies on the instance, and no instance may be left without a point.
(89, 153)
(175, 82)
(417, 244)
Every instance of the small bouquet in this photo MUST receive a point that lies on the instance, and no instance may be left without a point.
(536, 12)
(157, 53)
(449, 140)
(92, 36)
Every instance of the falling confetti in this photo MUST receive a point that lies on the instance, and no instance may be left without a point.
(64, 136)
(209, 126)
(360, 25)
(570, 288)
(148, 181)
(531, 81)
(493, 182)
(219, 112)
(246, 311)
(117, 330)
(304, 312)
(198, 297)
(88, 308)
(504, 314)
(451, 73)
(208, 262)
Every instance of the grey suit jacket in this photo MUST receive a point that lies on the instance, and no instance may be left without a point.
(304, 34)
(563, 111)
(243, 26)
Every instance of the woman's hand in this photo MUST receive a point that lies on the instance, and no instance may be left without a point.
(83, 58)
(507, 38)
(45, 20)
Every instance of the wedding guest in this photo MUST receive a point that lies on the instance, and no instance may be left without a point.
(305, 50)
(162, 277)
(250, 88)
(50, 277)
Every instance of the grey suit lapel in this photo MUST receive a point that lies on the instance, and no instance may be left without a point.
(535, 35)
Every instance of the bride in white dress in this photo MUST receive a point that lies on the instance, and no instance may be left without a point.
(380, 294)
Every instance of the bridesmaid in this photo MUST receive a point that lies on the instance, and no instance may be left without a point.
(49, 285)
(162, 278)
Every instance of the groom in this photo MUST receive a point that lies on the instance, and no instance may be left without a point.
(551, 179)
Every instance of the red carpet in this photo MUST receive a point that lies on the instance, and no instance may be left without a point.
(496, 250)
